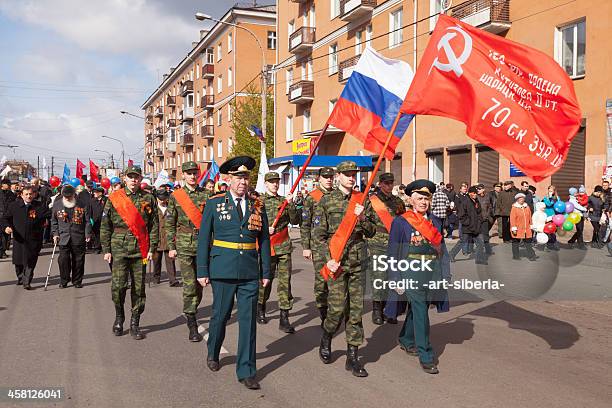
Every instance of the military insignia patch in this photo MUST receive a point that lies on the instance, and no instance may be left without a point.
(316, 220)
(305, 214)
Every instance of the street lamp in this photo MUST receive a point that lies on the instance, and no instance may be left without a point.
(131, 114)
(122, 151)
(264, 79)
(110, 154)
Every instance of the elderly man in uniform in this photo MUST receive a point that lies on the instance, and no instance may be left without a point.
(346, 290)
(183, 220)
(233, 227)
(71, 229)
(386, 206)
(129, 236)
(280, 247)
(25, 218)
(416, 235)
(311, 202)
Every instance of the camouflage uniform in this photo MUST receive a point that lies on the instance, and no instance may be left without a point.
(118, 240)
(280, 263)
(347, 290)
(183, 237)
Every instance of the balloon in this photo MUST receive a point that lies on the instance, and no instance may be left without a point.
(82, 182)
(106, 183)
(558, 219)
(115, 180)
(574, 218)
(55, 181)
(542, 238)
(568, 225)
(75, 182)
(143, 186)
(559, 207)
(569, 207)
(550, 228)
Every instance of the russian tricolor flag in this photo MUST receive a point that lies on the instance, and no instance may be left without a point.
(371, 101)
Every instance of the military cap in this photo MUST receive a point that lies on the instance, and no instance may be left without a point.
(238, 166)
(421, 186)
(68, 191)
(498, 184)
(99, 188)
(6, 181)
(89, 183)
(347, 166)
(480, 186)
(327, 171)
(14, 181)
(271, 175)
(133, 170)
(162, 194)
(190, 165)
(386, 177)
(473, 189)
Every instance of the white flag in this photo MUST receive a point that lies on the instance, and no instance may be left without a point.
(45, 171)
(6, 171)
(263, 169)
(162, 178)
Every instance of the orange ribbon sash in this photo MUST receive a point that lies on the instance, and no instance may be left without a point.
(130, 215)
(278, 238)
(316, 194)
(424, 226)
(381, 211)
(190, 209)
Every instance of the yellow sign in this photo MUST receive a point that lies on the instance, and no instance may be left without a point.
(301, 146)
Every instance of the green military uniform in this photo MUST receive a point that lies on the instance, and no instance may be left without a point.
(310, 205)
(345, 292)
(183, 237)
(280, 263)
(378, 244)
(118, 240)
(228, 256)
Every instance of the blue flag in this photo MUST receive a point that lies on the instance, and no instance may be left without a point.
(66, 176)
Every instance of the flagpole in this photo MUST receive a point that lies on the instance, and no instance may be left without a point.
(313, 149)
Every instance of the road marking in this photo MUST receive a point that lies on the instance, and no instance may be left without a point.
(202, 331)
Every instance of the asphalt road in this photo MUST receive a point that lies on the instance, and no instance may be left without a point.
(492, 352)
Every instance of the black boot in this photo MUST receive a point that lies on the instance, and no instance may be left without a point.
(135, 329)
(325, 347)
(192, 323)
(119, 319)
(352, 362)
(261, 314)
(323, 314)
(377, 313)
(284, 324)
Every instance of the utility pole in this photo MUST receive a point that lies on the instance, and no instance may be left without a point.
(37, 166)
(52, 165)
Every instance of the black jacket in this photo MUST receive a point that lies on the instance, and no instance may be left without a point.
(28, 226)
(470, 215)
(595, 207)
(97, 208)
(6, 197)
(72, 225)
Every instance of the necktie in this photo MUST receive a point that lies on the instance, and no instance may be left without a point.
(239, 208)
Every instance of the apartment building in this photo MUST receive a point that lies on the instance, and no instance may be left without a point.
(189, 116)
(320, 41)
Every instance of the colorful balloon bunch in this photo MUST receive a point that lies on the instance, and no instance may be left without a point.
(564, 219)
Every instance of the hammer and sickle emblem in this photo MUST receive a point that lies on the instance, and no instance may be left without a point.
(454, 62)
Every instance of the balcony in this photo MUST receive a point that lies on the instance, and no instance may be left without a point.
(351, 10)
(299, 1)
(170, 101)
(171, 123)
(301, 92)
(159, 153)
(186, 114)
(346, 67)
(490, 15)
(149, 137)
(159, 111)
(208, 101)
(149, 114)
(207, 131)
(187, 138)
(302, 40)
(187, 88)
(208, 71)
(159, 131)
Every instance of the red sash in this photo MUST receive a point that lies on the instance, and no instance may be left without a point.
(278, 238)
(381, 211)
(424, 226)
(130, 215)
(190, 209)
(316, 195)
(338, 241)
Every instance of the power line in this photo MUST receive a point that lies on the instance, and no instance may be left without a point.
(69, 90)
(59, 130)
(72, 86)
(79, 116)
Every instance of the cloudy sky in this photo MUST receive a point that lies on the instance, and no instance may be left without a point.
(69, 66)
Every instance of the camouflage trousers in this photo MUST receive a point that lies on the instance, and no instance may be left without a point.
(346, 297)
(192, 291)
(134, 269)
(320, 286)
(378, 295)
(280, 267)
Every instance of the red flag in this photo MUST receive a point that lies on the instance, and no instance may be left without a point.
(513, 98)
(79, 169)
(130, 162)
(93, 171)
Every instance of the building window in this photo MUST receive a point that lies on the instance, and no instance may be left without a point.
(197, 71)
(198, 99)
(333, 59)
(289, 73)
(190, 100)
(290, 29)
(306, 124)
(435, 7)
(312, 16)
(332, 104)
(210, 55)
(230, 145)
(219, 117)
(229, 112)
(230, 43)
(368, 34)
(219, 148)
(219, 83)
(570, 47)
(358, 40)
(309, 70)
(334, 7)
(219, 52)
(289, 128)
(230, 77)
(271, 40)
(303, 71)
(395, 25)
(211, 150)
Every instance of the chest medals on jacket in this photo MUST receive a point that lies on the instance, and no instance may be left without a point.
(223, 210)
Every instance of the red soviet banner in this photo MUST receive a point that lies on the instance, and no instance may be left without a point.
(513, 98)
